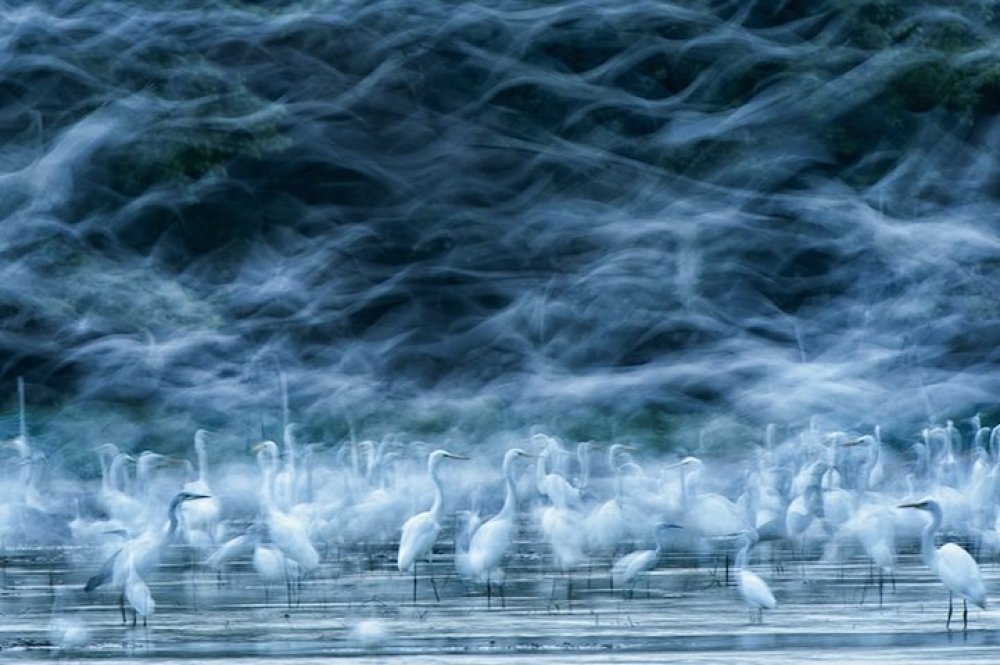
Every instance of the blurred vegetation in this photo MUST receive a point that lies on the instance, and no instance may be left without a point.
(222, 164)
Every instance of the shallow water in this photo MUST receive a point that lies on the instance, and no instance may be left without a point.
(684, 613)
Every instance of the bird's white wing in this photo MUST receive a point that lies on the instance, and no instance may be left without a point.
(755, 591)
(959, 572)
(489, 544)
(418, 537)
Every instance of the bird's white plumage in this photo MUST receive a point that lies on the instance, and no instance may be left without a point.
(420, 532)
(959, 572)
(137, 591)
(627, 568)
(489, 544)
(755, 592)
(269, 563)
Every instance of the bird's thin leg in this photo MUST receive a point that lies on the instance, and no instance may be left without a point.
(489, 594)
(194, 584)
(947, 624)
(143, 620)
(881, 581)
(288, 586)
(121, 606)
(135, 617)
(611, 578)
(965, 615)
(569, 590)
(552, 596)
(727, 568)
(434, 586)
(414, 582)
(430, 565)
(753, 619)
(503, 599)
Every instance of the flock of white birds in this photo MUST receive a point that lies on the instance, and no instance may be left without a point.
(815, 495)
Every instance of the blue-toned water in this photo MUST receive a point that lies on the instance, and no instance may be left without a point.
(747, 231)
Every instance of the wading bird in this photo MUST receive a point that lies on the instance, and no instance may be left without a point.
(420, 532)
(627, 569)
(753, 590)
(954, 566)
(490, 542)
(201, 522)
(288, 533)
(137, 557)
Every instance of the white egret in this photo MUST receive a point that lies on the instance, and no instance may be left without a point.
(471, 521)
(420, 532)
(138, 556)
(562, 526)
(492, 540)
(554, 485)
(708, 514)
(201, 521)
(233, 548)
(118, 504)
(286, 480)
(606, 526)
(583, 462)
(954, 566)
(627, 569)
(288, 533)
(137, 591)
(754, 591)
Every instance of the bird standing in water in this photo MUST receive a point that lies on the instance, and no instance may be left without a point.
(954, 566)
(492, 540)
(138, 556)
(420, 532)
(754, 591)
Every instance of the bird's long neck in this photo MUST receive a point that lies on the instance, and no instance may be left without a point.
(202, 464)
(741, 557)
(687, 492)
(291, 460)
(267, 476)
(540, 469)
(509, 509)
(620, 488)
(437, 508)
(105, 472)
(927, 550)
(583, 458)
(115, 474)
(658, 550)
(171, 520)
